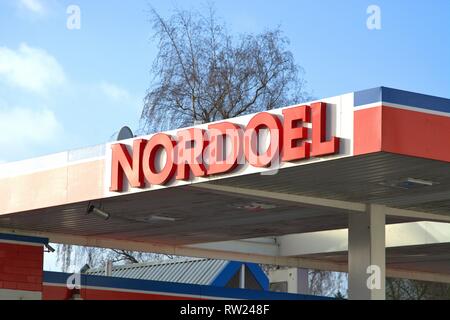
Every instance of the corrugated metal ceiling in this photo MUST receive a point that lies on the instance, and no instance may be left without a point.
(204, 216)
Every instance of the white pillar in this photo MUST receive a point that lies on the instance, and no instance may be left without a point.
(367, 254)
(302, 281)
(108, 268)
(242, 277)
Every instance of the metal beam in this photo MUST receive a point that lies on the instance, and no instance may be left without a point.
(263, 246)
(397, 235)
(347, 206)
(313, 201)
(217, 254)
(181, 250)
(417, 214)
(418, 275)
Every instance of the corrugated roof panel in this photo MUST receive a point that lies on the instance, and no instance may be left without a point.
(194, 271)
(208, 272)
(189, 270)
(140, 272)
(169, 272)
(212, 274)
(147, 272)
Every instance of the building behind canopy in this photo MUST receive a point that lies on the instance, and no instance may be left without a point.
(209, 272)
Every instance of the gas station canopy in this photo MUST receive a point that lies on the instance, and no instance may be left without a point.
(286, 197)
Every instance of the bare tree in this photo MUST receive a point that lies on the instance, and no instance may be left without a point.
(327, 283)
(201, 73)
(406, 289)
(75, 256)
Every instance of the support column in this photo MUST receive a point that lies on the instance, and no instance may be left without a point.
(367, 254)
(302, 281)
(242, 277)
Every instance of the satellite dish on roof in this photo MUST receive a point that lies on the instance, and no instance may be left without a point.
(125, 133)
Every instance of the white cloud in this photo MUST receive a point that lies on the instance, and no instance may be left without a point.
(114, 92)
(32, 69)
(34, 6)
(22, 128)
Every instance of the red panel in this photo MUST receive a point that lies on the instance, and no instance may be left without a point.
(27, 263)
(29, 286)
(416, 134)
(21, 271)
(55, 293)
(5, 276)
(29, 250)
(93, 294)
(34, 279)
(367, 131)
(9, 285)
(21, 266)
(14, 247)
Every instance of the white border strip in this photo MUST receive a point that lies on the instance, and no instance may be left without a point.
(13, 294)
(34, 165)
(367, 106)
(401, 106)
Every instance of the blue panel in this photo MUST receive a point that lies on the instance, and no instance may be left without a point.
(259, 275)
(55, 277)
(16, 237)
(367, 96)
(226, 274)
(125, 283)
(140, 285)
(401, 97)
(417, 100)
(160, 287)
(234, 293)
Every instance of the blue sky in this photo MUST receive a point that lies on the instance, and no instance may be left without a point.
(62, 89)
